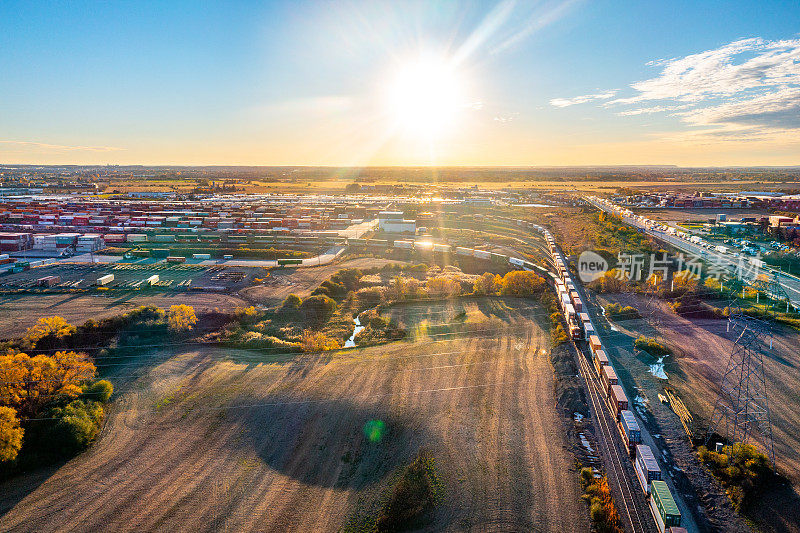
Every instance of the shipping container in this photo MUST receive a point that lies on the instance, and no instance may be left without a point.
(48, 281)
(663, 505)
(286, 262)
(105, 280)
(646, 467)
(631, 433)
(204, 257)
(617, 400)
(176, 259)
(152, 280)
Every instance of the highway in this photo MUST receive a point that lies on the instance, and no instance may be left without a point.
(733, 265)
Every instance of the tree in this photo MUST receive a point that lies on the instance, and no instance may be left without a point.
(181, 318)
(29, 383)
(54, 326)
(318, 309)
(11, 433)
(318, 342)
(292, 302)
(442, 287)
(521, 283)
(99, 391)
(487, 284)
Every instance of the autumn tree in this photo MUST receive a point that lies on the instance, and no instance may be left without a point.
(10, 434)
(181, 318)
(318, 342)
(487, 284)
(442, 287)
(29, 383)
(521, 283)
(54, 327)
(318, 309)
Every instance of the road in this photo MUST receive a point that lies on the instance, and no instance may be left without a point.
(730, 263)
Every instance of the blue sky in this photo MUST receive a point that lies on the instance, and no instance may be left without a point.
(539, 83)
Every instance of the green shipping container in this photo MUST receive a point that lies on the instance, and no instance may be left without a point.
(665, 503)
(283, 262)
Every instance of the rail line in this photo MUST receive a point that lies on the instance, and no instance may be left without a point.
(609, 434)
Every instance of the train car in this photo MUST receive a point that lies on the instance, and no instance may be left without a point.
(377, 243)
(588, 329)
(600, 360)
(609, 377)
(631, 433)
(594, 344)
(498, 259)
(516, 261)
(576, 300)
(663, 506)
(617, 400)
(646, 467)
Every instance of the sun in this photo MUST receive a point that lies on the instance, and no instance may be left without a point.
(425, 98)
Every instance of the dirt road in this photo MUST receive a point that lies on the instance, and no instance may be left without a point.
(221, 440)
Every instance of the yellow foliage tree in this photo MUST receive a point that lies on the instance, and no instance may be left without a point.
(318, 342)
(54, 325)
(10, 434)
(521, 283)
(181, 318)
(684, 280)
(442, 287)
(29, 383)
(488, 284)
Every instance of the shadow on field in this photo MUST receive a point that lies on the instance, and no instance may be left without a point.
(334, 443)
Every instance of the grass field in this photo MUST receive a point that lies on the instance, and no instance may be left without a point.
(216, 440)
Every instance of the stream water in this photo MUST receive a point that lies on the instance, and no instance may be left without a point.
(351, 342)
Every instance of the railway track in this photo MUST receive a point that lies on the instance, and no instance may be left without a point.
(631, 508)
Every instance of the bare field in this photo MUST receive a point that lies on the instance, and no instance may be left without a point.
(19, 312)
(216, 440)
(702, 350)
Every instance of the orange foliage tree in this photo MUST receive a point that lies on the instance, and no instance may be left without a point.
(521, 283)
(29, 383)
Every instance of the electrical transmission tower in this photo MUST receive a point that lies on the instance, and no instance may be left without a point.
(741, 411)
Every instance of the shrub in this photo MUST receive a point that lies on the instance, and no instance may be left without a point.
(416, 492)
(77, 426)
(100, 391)
(292, 301)
(318, 309)
(369, 297)
(181, 318)
(651, 346)
(318, 342)
(619, 312)
(741, 469)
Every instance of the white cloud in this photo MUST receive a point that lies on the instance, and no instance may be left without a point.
(566, 102)
(748, 88)
(62, 147)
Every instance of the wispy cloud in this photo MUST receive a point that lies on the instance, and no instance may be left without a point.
(61, 147)
(566, 102)
(749, 88)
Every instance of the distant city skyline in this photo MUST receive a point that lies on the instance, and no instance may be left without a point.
(512, 83)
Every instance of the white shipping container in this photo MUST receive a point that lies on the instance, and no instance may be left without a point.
(151, 280)
(105, 280)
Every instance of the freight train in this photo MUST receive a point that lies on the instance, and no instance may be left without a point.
(648, 472)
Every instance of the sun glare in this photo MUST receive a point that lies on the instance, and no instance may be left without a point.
(425, 98)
